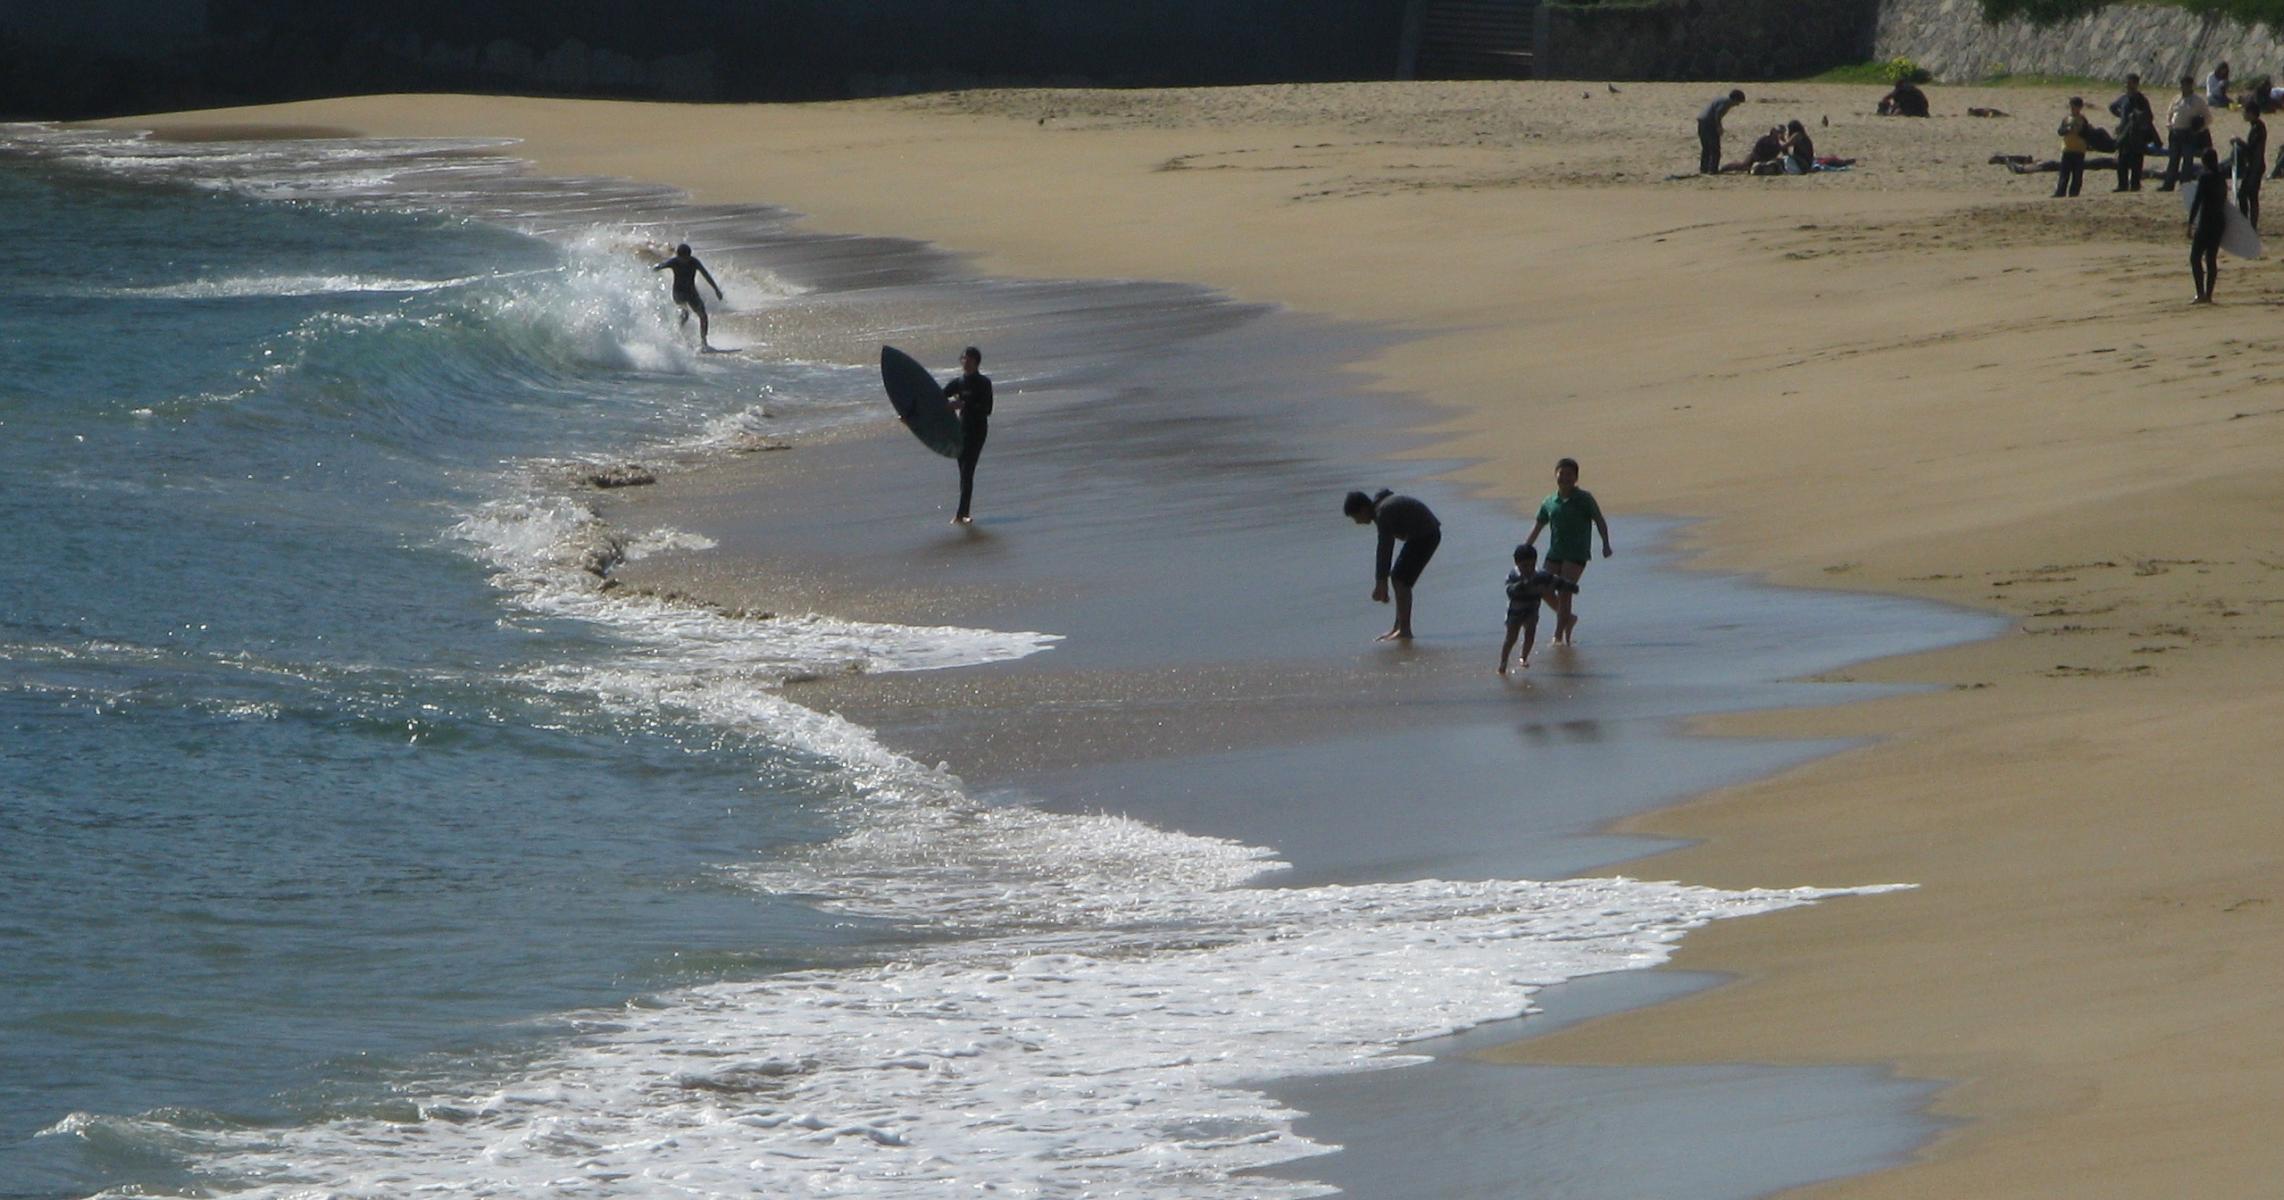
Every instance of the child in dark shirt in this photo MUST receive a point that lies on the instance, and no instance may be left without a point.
(1527, 588)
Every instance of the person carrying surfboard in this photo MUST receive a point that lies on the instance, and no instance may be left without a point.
(687, 269)
(2208, 219)
(1400, 519)
(2251, 155)
(970, 397)
(1574, 516)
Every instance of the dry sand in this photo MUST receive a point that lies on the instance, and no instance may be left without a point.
(1921, 377)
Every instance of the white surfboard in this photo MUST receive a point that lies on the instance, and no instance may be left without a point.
(2238, 237)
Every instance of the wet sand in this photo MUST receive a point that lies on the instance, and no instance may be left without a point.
(1919, 377)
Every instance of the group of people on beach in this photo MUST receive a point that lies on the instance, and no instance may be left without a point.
(2191, 157)
(1785, 149)
(1570, 513)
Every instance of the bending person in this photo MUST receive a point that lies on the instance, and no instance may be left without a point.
(1400, 519)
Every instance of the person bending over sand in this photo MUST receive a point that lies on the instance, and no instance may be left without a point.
(687, 268)
(1400, 519)
(1709, 131)
(1572, 513)
(1527, 588)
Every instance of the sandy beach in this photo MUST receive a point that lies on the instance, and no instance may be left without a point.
(1919, 377)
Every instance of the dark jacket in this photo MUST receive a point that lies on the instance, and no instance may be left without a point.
(1399, 518)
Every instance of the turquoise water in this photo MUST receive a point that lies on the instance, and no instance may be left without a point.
(283, 792)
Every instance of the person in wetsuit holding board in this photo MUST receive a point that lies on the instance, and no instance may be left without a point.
(970, 397)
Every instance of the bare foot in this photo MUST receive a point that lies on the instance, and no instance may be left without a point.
(1395, 635)
(1502, 667)
(963, 520)
(1525, 664)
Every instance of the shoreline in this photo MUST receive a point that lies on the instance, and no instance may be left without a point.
(2051, 974)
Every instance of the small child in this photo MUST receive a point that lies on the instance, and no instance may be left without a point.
(2073, 131)
(1527, 588)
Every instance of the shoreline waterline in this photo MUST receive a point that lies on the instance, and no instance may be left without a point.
(862, 446)
(2021, 668)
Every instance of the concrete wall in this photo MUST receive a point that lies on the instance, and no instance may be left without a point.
(1702, 39)
(1949, 38)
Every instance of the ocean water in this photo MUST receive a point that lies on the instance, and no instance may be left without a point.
(356, 841)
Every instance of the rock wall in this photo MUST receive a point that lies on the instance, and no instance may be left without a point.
(1950, 38)
(1702, 39)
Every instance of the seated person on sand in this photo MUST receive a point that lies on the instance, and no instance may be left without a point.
(1905, 101)
(1799, 150)
(1767, 149)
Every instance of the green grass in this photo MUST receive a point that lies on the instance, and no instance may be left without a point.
(2088, 84)
(2049, 12)
(1867, 73)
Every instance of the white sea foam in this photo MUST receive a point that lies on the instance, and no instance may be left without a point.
(1053, 1063)
(289, 285)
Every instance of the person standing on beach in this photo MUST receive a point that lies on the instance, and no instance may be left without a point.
(1574, 516)
(970, 397)
(2183, 122)
(687, 269)
(2251, 161)
(2136, 124)
(1527, 588)
(2208, 216)
(1400, 519)
(1709, 131)
(2073, 130)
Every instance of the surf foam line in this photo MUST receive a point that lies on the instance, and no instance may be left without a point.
(1081, 1013)
(1035, 1064)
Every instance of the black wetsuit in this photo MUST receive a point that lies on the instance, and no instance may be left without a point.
(2206, 221)
(974, 394)
(686, 272)
(2251, 168)
(1403, 519)
(2136, 125)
